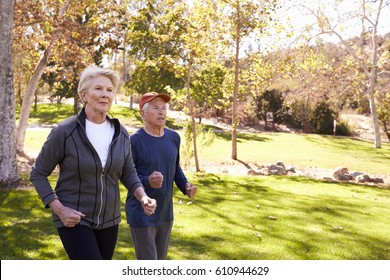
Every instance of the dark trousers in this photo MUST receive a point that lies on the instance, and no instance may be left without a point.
(151, 243)
(85, 243)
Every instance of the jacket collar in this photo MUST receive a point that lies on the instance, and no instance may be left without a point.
(82, 116)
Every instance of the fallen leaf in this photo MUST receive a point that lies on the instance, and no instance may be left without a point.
(338, 227)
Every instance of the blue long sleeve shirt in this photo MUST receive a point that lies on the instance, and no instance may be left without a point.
(155, 154)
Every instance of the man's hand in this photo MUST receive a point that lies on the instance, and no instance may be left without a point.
(190, 190)
(156, 179)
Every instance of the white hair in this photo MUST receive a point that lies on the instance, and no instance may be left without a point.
(94, 71)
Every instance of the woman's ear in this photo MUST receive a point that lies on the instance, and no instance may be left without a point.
(83, 99)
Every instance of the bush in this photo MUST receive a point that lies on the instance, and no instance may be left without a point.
(269, 101)
(322, 118)
(344, 129)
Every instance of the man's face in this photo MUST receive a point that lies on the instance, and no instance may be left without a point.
(155, 113)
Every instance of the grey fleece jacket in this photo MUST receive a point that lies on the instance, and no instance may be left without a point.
(83, 183)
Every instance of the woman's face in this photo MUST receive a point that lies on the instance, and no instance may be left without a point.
(99, 95)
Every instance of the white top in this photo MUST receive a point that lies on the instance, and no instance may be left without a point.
(100, 135)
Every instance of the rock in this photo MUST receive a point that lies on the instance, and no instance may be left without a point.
(276, 170)
(340, 171)
(344, 177)
(251, 172)
(356, 173)
(363, 178)
(377, 181)
(291, 169)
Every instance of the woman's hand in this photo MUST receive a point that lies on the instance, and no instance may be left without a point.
(68, 216)
(149, 205)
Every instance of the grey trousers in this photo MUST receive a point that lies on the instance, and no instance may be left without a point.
(151, 243)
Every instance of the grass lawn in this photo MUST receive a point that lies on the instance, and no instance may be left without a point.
(233, 217)
(242, 217)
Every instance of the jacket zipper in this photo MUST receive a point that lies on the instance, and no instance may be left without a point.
(102, 174)
(101, 199)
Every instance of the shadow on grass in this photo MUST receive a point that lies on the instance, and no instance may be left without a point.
(349, 144)
(257, 137)
(26, 229)
(288, 225)
(232, 218)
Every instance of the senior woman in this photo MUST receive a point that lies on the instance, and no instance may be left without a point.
(93, 152)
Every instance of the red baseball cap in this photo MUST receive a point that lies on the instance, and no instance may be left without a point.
(149, 96)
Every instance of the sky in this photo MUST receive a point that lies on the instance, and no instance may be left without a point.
(294, 17)
(301, 16)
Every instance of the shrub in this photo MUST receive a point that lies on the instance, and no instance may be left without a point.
(322, 118)
(344, 129)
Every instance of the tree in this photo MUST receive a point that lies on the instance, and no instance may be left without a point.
(245, 17)
(269, 101)
(66, 36)
(198, 53)
(33, 82)
(369, 64)
(8, 166)
(153, 40)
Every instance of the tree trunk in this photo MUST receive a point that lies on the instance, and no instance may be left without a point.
(192, 113)
(32, 84)
(371, 97)
(373, 81)
(235, 92)
(28, 99)
(9, 176)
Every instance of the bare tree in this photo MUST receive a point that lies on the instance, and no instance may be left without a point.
(369, 66)
(8, 165)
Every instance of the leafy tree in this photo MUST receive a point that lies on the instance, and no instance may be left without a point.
(204, 137)
(269, 101)
(33, 82)
(244, 17)
(207, 88)
(384, 112)
(154, 43)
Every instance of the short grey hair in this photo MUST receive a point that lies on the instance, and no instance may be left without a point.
(94, 71)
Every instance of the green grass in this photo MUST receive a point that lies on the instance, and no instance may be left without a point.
(302, 150)
(312, 150)
(241, 217)
(233, 217)
(282, 218)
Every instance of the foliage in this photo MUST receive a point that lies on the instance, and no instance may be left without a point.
(154, 35)
(383, 107)
(269, 101)
(207, 91)
(204, 139)
(343, 128)
(322, 118)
